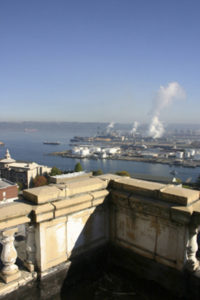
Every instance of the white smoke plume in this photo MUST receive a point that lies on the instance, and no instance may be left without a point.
(109, 127)
(134, 129)
(165, 96)
(156, 128)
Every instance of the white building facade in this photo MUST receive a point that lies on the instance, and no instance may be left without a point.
(21, 172)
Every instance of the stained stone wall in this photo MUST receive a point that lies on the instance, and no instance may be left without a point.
(154, 222)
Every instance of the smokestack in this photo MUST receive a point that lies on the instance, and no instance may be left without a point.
(165, 96)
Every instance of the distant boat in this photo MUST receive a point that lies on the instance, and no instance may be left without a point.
(51, 143)
(30, 130)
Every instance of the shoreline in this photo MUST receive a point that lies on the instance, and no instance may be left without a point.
(170, 162)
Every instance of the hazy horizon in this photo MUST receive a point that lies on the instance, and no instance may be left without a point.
(30, 122)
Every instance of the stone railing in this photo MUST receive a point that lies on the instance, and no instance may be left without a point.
(67, 219)
(60, 221)
(158, 222)
(11, 216)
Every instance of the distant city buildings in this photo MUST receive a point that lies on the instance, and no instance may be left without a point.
(20, 172)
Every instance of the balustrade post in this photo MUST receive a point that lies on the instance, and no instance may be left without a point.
(10, 270)
(192, 263)
(30, 248)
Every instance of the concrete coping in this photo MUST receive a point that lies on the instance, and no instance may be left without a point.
(14, 210)
(163, 192)
(179, 195)
(166, 193)
(46, 200)
(55, 192)
(14, 214)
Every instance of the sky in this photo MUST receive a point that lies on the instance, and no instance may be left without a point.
(98, 60)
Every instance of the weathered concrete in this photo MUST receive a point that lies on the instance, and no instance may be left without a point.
(13, 214)
(152, 225)
(56, 192)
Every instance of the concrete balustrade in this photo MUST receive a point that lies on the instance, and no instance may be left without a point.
(11, 216)
(30, 260)
(157, 221)
(10, 270)
(192, 263)
(154, 221)
(66, 221)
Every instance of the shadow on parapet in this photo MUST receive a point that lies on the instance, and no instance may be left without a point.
(88, 258)
(94, 274)
(96, 268)
(87, 248)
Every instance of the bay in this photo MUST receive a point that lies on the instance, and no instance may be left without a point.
(26, 145)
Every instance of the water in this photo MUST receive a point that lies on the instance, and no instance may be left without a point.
(29, 146)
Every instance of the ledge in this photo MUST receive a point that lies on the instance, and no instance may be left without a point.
(181, 205)
(179, 195)
(54, 192)
(67, 205)
(165, 193)
(168, 201)
(13, 214)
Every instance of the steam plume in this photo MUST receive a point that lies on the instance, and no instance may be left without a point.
(134, 129)
(165, 96)
(156, 128)
(109, 127)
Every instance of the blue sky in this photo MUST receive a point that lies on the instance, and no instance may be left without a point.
(97, 60)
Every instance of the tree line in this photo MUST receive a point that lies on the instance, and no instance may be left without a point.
(41, 180)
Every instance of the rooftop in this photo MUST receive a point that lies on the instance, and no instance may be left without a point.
(18, 164)
(153, 178)
(24, 165)
(69, 175)
(7, 158)
(5, 183)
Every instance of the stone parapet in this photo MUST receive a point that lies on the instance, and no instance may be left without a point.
(57, 192)
(162, 192)
(14, 214)
(11, 216)
(67, 206)
(68, 220)
(176, 203)
(50, 202)
(79, 202)
(156, 221)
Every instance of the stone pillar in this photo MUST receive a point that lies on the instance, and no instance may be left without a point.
(30, 248)
(192, 263)
(10, 270)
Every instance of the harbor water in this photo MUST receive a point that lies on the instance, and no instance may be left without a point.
(27, 145)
